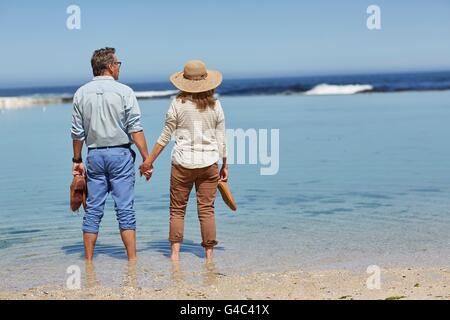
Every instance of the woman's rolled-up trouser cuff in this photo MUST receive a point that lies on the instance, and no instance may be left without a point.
(209, 243)
(175, 239)
(205, 244)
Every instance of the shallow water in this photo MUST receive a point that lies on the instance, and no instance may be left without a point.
(363, 180)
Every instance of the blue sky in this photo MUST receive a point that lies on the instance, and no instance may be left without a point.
(241, 38)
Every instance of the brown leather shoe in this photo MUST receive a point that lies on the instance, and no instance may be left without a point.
(78, 193)
(226, 195)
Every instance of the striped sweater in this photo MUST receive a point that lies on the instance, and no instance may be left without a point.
(200, 139)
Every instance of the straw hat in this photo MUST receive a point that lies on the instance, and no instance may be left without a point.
(196, 78)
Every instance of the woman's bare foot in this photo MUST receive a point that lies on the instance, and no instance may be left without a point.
(209, 254)
(175, 255)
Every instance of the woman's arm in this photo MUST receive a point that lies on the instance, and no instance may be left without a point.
(224, 170)
(170, 125)
(156, 151)
(222, 142)
(146, 167)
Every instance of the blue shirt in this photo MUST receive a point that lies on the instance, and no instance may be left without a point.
(105, 113)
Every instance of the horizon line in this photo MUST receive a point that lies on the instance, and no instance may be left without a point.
(247, 77)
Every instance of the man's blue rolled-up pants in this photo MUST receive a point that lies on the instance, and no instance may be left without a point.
(110, 170)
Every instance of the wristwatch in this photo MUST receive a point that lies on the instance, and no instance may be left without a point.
(79, 160)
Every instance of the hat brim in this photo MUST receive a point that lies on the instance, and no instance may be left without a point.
(211, 81)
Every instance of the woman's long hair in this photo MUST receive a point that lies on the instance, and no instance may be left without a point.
(201, 99)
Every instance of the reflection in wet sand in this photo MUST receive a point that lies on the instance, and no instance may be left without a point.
(210, 274)
(91, 275)
(130, 276)
(177, 275)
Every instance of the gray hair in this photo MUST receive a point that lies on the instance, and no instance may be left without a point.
(101, 59)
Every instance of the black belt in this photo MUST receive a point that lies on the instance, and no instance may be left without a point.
(128, 146)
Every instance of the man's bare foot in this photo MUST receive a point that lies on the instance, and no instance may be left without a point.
(129, 240)
(89, 240)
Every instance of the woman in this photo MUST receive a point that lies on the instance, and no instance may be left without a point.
(197, 120)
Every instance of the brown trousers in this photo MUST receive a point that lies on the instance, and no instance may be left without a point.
(181, 182)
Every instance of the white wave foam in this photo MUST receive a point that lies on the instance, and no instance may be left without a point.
(23, 102)
(39, 100)
(330, 89)
(155, 94)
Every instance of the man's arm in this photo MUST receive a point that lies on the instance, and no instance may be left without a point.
(78, 137)
(77, 167)
(134, 126)
(77, 148)
(141, 143)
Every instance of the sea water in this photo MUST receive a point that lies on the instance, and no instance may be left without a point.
(362, 180)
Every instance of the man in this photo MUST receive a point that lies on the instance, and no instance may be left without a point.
(106, 116)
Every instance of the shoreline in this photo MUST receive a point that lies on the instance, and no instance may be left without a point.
(337, 284)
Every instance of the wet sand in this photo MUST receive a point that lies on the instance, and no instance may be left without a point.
(395, 284)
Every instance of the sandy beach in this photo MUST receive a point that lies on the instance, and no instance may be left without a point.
(395, 284)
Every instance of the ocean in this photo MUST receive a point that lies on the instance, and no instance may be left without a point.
(311, 85)
(363, 180)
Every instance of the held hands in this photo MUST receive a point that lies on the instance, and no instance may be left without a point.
(146, 170)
